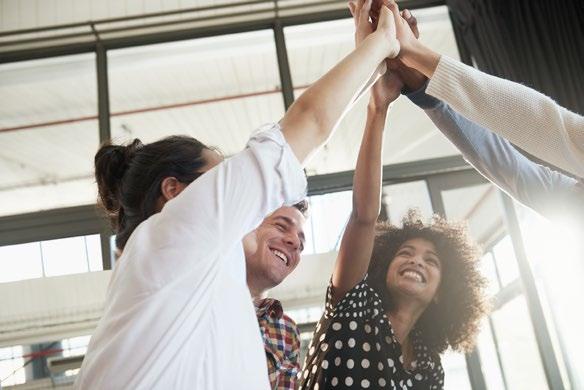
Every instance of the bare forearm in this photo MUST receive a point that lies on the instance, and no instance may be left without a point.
(312, 118)
(420, 58)
(368, 172)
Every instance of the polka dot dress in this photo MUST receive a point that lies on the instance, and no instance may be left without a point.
(354, 347)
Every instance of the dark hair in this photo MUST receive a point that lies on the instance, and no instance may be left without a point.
(129, 177)
(302, 206)
(455, 319)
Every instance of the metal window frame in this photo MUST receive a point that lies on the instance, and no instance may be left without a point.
(524, 284)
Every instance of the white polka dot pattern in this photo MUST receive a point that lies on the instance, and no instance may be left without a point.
(355, 348)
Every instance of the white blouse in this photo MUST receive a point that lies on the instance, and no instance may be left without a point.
(179, 314)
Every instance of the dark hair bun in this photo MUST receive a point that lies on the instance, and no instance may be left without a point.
(111, 163)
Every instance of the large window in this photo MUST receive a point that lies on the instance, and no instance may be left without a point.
(50, 258)
(410, 135)
(48, 133)
(11, 366)
(217, 89)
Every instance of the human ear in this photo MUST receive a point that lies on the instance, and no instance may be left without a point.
(171, 187)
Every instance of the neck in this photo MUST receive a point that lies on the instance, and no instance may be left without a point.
(403, 319)
(256, 291)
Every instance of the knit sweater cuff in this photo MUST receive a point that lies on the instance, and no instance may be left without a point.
(446, 79)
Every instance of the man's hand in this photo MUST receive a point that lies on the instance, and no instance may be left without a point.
(360, 10)
(388, 87)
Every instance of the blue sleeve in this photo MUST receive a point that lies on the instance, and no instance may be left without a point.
(546, 191)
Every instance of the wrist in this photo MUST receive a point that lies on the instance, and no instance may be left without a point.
(378, 109)
(420, 57)
(387, 48)
(410, 53)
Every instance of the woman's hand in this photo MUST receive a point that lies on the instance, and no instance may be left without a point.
(388, 86)
(360, 10)
(385, 90)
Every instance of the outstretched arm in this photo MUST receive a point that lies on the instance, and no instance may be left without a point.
(311, 119)
(548, 192)
(527, 118)
(357, 242)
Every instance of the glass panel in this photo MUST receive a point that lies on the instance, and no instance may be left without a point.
(479, 205)
(506, 262)
(556, 252)
(50, 258)
(490, 366)
(64, 256)
(329, 214)
(93, 248)
(19, 262)
(399, 198)
(75, 346)
(306, 315)
(489, 271)
(48, 132)
(11, 366)
(455, 374)
(216, 89)
(410, 135)
(517, 346)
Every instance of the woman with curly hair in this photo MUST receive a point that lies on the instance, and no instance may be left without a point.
(386, 326)
(398, 296)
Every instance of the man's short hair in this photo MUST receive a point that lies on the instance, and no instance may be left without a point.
(302, 206)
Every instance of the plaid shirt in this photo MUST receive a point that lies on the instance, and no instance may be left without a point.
(281, 343)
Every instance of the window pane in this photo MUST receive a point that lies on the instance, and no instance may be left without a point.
(75, 346)
(455, 374)
(93, 243)
(11, 366)
(65, 256)
(556, 252)
(410, 135)
(479, 205)
(488, 270)
(505, 260)
(329, 214)
(399, 198)
(18, 262)
(217, 89)
(522, 365)
(490, 367)
(48, 133)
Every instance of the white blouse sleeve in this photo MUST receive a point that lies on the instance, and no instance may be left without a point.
(231, 199)
(527, 118)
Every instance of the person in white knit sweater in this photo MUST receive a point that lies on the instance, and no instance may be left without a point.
(525, 117)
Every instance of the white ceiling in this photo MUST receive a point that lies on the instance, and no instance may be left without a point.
(23, 14)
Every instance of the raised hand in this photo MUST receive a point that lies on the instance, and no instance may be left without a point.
(368, 19)
(388, 86)
(385, 90)
(360, 10)
(411, 78)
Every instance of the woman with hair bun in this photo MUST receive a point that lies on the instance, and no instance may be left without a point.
(178, 311)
